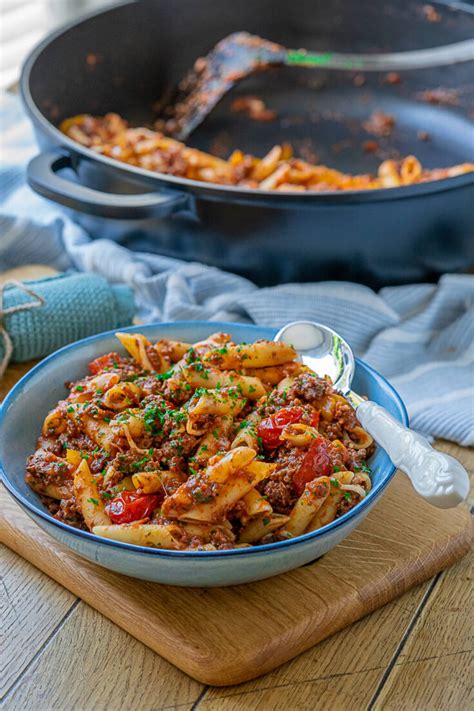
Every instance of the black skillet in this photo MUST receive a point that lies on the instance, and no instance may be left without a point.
(125, 58)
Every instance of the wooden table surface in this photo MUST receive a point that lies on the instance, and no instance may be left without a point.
(414, 653)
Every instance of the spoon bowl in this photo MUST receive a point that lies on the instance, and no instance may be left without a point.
(321, 349)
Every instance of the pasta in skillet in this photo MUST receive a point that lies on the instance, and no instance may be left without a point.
(202, 446)
(111, 136)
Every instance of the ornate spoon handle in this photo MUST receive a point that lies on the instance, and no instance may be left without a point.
(437, 477)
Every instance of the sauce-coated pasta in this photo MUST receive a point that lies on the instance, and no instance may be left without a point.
(111, 136)
(202, 455)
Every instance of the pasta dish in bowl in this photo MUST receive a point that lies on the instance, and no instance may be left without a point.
(195, 448)
(201, 446)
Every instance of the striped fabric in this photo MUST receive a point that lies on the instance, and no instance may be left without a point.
(420, 336)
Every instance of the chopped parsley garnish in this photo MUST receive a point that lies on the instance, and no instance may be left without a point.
(335, 483)
(106, 494)
(154, 418)
(164, 376)
(347, 495)
(93, 501)
(70, 409)
(79, 388)
(143, 460)
(266, 521)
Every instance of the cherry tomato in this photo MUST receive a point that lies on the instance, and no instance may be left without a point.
(271, 427)
(315, 417)
(129, 506)
(105, 361)
(316, 463)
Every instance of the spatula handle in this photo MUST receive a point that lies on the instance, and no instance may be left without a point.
(394, 61)
(437, 477)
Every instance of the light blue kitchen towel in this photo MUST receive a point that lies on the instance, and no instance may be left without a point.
(420, 336)
(46, 314)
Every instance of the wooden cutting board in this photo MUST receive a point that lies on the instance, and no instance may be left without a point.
(225, 636)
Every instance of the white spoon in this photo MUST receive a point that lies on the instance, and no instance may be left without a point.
(437, 477)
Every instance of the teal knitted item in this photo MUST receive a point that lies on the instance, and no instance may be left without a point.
(75, 306)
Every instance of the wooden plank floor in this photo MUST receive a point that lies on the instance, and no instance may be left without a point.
(59, 654)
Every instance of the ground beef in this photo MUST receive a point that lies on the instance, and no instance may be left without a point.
(50, 445)
(275, 402)
(160, 419)
(279, 494)
(99, 462)
(379, 124)
(73, 438)
(47, 468)
(203, 422)
(345, 504)
(440, 96)
(308, 387)
(331, 430)
(150, 385)
(279, 488)
(174, 452)
(431, 13)
(253, 107)
(69, 512)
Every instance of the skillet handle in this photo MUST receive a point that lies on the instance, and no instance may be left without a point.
(42, 175)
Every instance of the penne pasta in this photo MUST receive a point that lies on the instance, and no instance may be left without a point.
(54, 423)
(88, 497)
(259, 527)
(272, 374)
(328, 510)
(255, 505)
(201, 446)
(308, 504)
(168, 536)
(213, 403)
(136, 345)
(111, 135)
(173, 350)
(247, 433)
(100, 432)
(205, 485)
(216, 440)
(261, 354)
(249, 387)
(150, 482)
(121, 396)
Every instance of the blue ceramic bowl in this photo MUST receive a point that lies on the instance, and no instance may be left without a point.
(22, 415)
